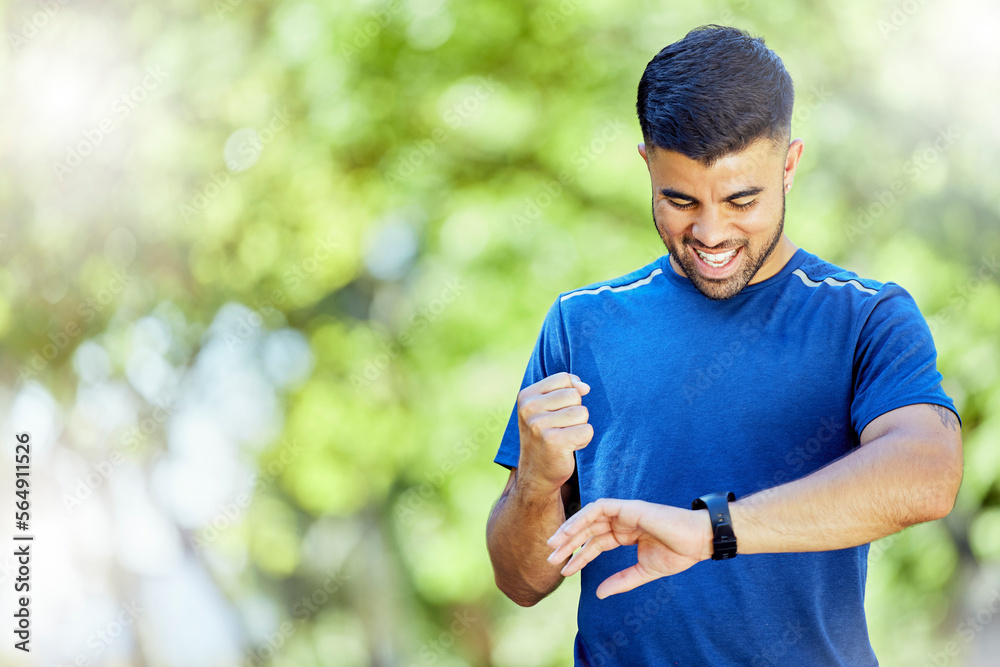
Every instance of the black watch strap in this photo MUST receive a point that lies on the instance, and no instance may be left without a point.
(723, 537)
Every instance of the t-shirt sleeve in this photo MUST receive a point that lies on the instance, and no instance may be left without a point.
(549, 357)
(895, 362)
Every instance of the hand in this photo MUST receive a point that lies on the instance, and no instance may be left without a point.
(552, 422)
(670, 540)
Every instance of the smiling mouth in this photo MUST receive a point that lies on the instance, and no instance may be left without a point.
(718, 265)
(717, 260)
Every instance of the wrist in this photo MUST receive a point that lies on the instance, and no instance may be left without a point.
(720, 523)
(741, 525)
(531, 491)
(705, 534)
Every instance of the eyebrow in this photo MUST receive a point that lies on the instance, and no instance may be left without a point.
(746, 192)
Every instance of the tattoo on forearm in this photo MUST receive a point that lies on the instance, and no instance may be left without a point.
(947, 417)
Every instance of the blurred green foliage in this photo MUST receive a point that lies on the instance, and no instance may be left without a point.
(429, 176)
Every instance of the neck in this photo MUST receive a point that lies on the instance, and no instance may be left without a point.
(779, 257)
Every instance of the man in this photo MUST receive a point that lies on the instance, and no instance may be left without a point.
(737, 363)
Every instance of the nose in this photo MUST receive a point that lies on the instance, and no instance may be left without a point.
(709, 227)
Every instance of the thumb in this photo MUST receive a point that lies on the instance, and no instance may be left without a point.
(626, 580)
(582, 386)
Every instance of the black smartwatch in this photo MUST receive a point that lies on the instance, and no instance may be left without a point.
(723, 537)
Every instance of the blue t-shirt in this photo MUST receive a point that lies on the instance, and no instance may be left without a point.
(691, 396)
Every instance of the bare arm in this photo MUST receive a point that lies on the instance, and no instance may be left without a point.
(907, 470)
(521, 520)
(552, 424)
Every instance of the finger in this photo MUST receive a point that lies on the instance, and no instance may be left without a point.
(564, 548)
(563, 531)
(564, 545)
(625, 581)
(578, 436)
(581, 385)
(578, 382)
(552, 401)
(594, 547)
(555, 381)
(569, 438)
(539, 417)
(584, 517)
(602, 509)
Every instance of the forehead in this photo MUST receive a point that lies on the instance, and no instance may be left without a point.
(759, 158)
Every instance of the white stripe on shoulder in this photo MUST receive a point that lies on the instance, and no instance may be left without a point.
(620, 288)
(832, 281)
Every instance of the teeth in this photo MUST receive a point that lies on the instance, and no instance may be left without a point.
(716, 260)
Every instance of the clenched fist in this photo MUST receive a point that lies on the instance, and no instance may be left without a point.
(552, 421)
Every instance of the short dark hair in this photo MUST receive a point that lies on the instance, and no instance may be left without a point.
(714, 92)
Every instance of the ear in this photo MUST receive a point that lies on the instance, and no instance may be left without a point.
(792, 158)
(642, 152)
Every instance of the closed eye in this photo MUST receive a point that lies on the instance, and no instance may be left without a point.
(683, 206)
(742, 207)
